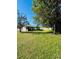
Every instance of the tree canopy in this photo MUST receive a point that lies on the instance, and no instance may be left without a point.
(48, 12)
(21, 20)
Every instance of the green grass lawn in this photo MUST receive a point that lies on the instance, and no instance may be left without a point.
(38, 46)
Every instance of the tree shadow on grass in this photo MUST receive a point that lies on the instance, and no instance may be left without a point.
(37, 32)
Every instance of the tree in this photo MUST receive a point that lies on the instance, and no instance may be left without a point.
(21, 20)
(48, 13)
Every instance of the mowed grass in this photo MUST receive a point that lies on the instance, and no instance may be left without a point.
(38, 46)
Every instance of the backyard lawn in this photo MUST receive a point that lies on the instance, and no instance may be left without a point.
(38, 45)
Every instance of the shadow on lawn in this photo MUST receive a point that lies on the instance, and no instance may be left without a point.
(37, 32)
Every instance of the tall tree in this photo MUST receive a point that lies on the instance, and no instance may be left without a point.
(21, 20)
(49, 13)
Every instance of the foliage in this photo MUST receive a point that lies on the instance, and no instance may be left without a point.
(48, 12)
(21, 20)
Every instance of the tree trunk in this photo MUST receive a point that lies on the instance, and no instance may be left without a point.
(58, 27)
(20, 29)
(54, 29)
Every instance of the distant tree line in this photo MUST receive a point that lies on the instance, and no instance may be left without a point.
(22, 22)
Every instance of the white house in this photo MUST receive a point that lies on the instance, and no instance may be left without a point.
(24, 29)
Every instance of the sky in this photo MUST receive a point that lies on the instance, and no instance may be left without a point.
(25, 7)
